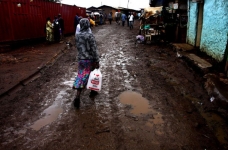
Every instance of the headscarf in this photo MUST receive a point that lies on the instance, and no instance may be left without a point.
(84, 25)
(85, 42)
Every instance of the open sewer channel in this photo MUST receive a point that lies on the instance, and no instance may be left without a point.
(140, 106)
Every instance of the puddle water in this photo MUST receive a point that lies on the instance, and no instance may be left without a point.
(51, 114)
(139, 104)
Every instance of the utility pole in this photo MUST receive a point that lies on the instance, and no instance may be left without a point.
(127, 3)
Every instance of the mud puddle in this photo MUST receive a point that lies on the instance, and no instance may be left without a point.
(50, 114)
(140, 106)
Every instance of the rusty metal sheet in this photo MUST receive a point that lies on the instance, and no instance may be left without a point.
(28, 21)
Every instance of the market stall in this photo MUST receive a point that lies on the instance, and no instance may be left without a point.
(151, 24)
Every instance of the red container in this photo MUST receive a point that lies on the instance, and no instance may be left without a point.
(28, 21)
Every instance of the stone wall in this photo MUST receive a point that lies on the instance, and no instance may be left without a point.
(192, 22)
(215, 28)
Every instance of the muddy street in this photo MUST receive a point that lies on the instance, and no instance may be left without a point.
(150, 99)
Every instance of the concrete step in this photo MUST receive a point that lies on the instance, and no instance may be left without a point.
(184, 50)
(201, 63)
(183, 47)
(216, 83)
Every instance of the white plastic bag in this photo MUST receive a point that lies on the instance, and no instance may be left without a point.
(95, 80)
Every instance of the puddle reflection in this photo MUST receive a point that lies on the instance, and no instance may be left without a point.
(139, 104)
(51, 114)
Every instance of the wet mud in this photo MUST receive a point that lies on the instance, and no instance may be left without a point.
(150, 99)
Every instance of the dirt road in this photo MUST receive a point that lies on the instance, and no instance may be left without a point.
(150, 99)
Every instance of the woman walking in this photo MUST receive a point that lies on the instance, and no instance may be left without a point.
(88, 59)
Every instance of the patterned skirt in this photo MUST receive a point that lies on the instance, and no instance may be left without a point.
(84, 68)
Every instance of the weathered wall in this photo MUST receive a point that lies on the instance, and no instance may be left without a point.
(192, 23)
(215, 28)
(29, 20)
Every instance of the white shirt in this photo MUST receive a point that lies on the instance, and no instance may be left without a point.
(116, 14)
(131, 18)
(77, 29)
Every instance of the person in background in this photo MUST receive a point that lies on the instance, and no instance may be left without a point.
(101, 18)
(92, 16)
(139, 15)
(56, 29)
(116, 13)
(110, 18)
(61, 26)
(92, 23)
(105, 18)
(123, 18)
(77, 31)
(118, 18)
(88, 59)
(131, 19)
(49, 30)
(76, 21)
(128, 17)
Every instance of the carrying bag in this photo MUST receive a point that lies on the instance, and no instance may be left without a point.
(95, 80)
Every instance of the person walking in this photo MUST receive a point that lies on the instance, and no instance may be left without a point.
(116, 16)
(128, 17)
(101, 18)
(88, 59)
(123, 18)
(110, 18)
(49, 30)
(131, 19)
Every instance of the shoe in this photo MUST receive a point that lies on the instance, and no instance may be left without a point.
(77, 102)
(93, 94)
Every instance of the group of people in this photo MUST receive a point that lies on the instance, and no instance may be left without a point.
(121, 16)
(54, 29)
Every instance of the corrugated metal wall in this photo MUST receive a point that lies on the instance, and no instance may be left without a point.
(28, 21)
